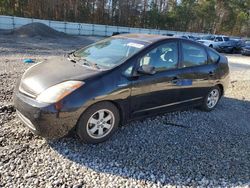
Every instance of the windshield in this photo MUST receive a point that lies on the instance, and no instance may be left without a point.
(110, 52)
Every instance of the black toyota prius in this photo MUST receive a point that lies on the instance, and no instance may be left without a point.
(109, 83)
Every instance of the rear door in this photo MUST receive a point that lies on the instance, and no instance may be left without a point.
(196, 73)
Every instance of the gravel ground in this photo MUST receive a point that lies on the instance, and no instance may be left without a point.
(185, 148)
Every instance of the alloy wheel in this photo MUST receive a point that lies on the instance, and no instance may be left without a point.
(100, 123)
(213, 98)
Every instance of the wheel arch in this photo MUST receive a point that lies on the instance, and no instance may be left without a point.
(120, 109)
(221, 89)
(115, 103)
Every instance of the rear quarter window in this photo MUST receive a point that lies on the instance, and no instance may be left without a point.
(213, 57)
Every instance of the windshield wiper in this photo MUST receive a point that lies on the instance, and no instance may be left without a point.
(71, 57)
(86, 62)
(82, 60)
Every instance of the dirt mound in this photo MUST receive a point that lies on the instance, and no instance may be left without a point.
(37, 30)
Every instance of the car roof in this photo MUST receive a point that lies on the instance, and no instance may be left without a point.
(150, 38)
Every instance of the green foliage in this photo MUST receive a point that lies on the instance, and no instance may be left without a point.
(208, 16)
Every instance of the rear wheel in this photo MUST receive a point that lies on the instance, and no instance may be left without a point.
(211, 46)
(212, 99)
(98, 123)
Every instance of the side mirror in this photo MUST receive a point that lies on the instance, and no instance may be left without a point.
(146, 69)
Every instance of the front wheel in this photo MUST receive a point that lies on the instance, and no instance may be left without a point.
(212, 99)
(98, 123)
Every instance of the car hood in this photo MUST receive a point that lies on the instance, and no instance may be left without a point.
(43, 75)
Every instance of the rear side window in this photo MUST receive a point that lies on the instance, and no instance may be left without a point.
(193, 55)
(213, 57)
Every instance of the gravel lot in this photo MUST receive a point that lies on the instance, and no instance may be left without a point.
(187, 148)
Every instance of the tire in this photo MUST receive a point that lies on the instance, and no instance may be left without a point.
(209, 106)
(211, 46)
(92, 128)
(233, 51)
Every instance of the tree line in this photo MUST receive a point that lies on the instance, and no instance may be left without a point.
(231, 17)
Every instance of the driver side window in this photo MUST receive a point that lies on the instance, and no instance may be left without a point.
(163, 57)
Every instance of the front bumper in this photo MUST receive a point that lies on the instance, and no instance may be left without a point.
(44, 119)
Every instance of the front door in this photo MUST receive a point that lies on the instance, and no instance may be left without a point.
(155, 92)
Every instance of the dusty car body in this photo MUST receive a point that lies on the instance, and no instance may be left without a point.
(157, 74)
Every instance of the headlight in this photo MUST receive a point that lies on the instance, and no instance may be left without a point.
(58, 92)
